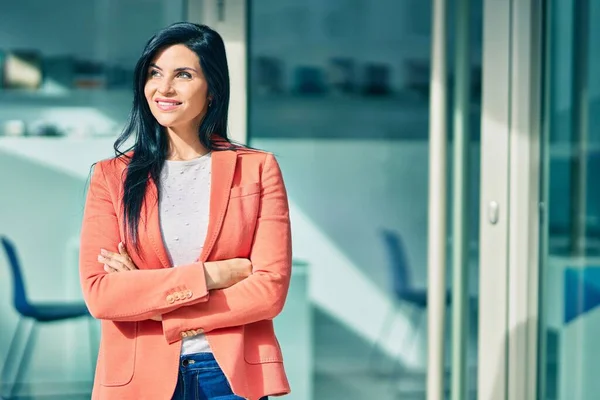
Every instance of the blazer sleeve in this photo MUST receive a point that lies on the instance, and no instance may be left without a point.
(133, 295)
(262, 295)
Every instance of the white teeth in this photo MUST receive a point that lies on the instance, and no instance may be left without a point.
(167, 104)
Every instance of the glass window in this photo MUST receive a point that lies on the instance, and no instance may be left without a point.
(570, 231)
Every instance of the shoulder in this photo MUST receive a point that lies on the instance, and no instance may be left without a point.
(245, 155)
(258, 165)
(111, 169)
(254, 156)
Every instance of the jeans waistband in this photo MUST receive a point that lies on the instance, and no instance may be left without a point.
(198, 361)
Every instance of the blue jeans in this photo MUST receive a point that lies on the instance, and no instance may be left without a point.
(201, 378)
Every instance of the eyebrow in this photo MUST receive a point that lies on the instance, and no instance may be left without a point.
(176, 69)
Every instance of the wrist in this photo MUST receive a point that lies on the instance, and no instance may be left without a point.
(213, 275)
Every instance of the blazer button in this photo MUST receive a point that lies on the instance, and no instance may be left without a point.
(189, 294)
(184, 334)
(177, 295)
(170, 299)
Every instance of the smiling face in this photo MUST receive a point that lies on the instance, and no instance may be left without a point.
(176, 89)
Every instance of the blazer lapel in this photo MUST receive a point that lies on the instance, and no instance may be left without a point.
(222, 172)
(150, 208)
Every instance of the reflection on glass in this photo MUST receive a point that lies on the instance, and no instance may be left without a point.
(570, 284)
(339, 92)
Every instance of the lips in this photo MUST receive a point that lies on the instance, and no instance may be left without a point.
(167, 105)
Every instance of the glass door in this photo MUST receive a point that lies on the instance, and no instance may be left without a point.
(342, 92)
(570, 229)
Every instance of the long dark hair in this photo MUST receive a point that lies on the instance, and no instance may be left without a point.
(151, 143)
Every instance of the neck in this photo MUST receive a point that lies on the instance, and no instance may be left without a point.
(184, 144)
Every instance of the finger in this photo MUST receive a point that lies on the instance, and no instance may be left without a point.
(114, 263)
(125, 261)
(109, 254)
(109, 269)
(126, 258)
(123, 250)
(123, 256)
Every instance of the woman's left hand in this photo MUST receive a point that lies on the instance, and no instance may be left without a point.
(116, 262)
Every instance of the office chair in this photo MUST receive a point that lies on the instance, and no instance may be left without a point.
(42, 313)
(403, 292)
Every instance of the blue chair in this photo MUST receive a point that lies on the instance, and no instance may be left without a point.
(37, 313)
(403, 293)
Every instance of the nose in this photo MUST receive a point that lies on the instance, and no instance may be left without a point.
(165, 87)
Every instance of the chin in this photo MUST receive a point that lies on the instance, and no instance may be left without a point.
(170, 124)
(166, 122)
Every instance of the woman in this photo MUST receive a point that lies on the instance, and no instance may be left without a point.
(185, 244)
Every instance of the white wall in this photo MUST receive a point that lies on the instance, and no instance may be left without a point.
(41, 210)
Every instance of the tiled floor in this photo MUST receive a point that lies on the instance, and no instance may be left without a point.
(343, 372)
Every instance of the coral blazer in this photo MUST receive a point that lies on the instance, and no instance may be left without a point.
(249, 218)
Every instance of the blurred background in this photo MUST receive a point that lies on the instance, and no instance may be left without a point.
(339, 90)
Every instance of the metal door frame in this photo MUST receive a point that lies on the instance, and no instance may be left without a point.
(510, 194)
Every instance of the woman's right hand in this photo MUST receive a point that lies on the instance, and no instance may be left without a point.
(225, 273)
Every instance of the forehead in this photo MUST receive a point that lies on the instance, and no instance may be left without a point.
(176, 56)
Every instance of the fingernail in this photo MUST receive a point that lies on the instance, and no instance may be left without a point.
(100, 258)
(103, 252)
